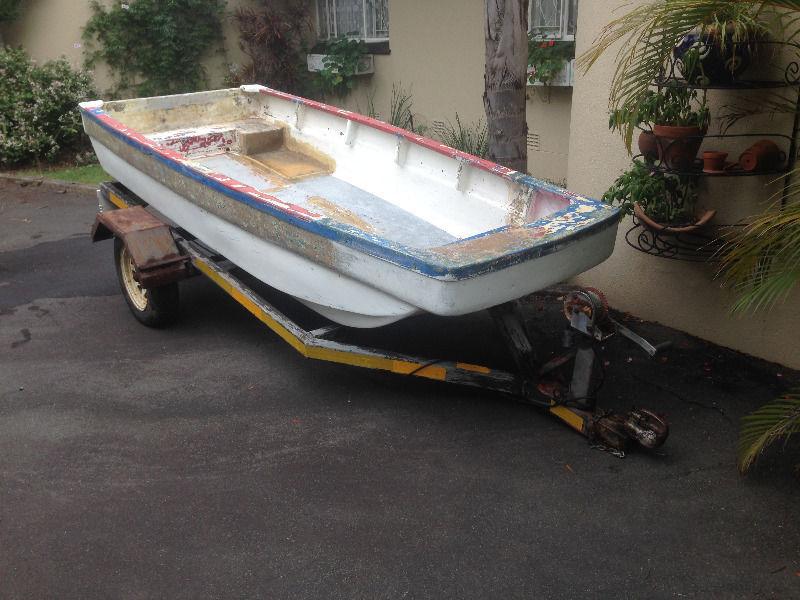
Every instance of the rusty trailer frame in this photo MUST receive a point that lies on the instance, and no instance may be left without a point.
(159, 260)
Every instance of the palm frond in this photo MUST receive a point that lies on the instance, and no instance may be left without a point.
(770, 104)
(761, 261)
(775, 420)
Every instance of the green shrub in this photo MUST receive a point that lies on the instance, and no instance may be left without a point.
(343, 56)
(154, 47)
(38, 107)
(472, 139)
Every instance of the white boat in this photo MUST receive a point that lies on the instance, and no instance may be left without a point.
(363, 222)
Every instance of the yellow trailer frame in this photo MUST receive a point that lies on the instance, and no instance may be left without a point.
(529, 385)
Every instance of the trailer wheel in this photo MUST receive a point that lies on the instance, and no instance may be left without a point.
(154, 307)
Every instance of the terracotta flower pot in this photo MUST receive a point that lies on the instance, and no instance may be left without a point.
(713, 161)
(666, 227)
(648, 145)
(678, 146)
(764, 155)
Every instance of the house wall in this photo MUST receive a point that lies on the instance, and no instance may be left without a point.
(437, 53)
(679, 294)
(48, 29)
(549, 115)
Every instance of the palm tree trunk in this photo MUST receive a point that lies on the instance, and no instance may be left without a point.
(506, 32)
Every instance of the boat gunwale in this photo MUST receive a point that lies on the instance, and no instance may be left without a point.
(422, 260)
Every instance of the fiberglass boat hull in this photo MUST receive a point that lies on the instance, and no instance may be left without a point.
(349, 276)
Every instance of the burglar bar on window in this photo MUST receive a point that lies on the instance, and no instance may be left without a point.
(362, 19)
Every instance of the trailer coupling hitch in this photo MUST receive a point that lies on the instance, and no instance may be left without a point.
(587, 312)
(640, 425)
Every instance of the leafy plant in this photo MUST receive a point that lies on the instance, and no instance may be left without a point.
(38, 107)
(546, 59)
(343, 58)
(400, 114)
(627, 119)
(472, 139)
(774, 421)
(671, 106)
(154, 47)
(681, 107)
(273, 39)
(664, 197)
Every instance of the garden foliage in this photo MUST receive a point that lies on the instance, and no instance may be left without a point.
(39, 116)
(274, 38)
(155, 47)
(341, 63)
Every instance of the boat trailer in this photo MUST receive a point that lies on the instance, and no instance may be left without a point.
(152, 256)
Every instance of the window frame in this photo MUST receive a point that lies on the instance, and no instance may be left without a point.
(331, 19)
(563, 27)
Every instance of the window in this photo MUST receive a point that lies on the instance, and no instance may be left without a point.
(554, 19)
(363, 19)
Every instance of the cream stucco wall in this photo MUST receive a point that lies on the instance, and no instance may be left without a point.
(437, 53)
(549, 114)
(680, 294)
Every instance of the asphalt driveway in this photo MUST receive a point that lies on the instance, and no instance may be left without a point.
(211, 460)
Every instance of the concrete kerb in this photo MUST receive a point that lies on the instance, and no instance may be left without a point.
(38, 181)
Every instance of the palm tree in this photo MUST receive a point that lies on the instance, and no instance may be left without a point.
(506, 32)
(761, 261)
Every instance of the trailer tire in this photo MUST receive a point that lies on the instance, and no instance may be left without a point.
(154, 307)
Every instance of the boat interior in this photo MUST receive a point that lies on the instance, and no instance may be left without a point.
(360, 177)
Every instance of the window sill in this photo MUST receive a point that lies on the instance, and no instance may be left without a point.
(316, 62)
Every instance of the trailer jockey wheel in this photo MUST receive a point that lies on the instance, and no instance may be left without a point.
(154, 307)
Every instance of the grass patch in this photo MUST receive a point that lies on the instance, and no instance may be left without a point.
(91, 174)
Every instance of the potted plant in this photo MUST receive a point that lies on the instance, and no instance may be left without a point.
(639, 116)
(660, 201)
(724, 45)
(679, 125)
(342, 61)
(550, 62)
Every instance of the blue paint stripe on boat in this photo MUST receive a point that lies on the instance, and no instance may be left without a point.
(415, 259)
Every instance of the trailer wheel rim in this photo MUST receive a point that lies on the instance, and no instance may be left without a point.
(135, 292)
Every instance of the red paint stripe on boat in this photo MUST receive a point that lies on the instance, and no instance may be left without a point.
(420, 140)
(224, 180)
